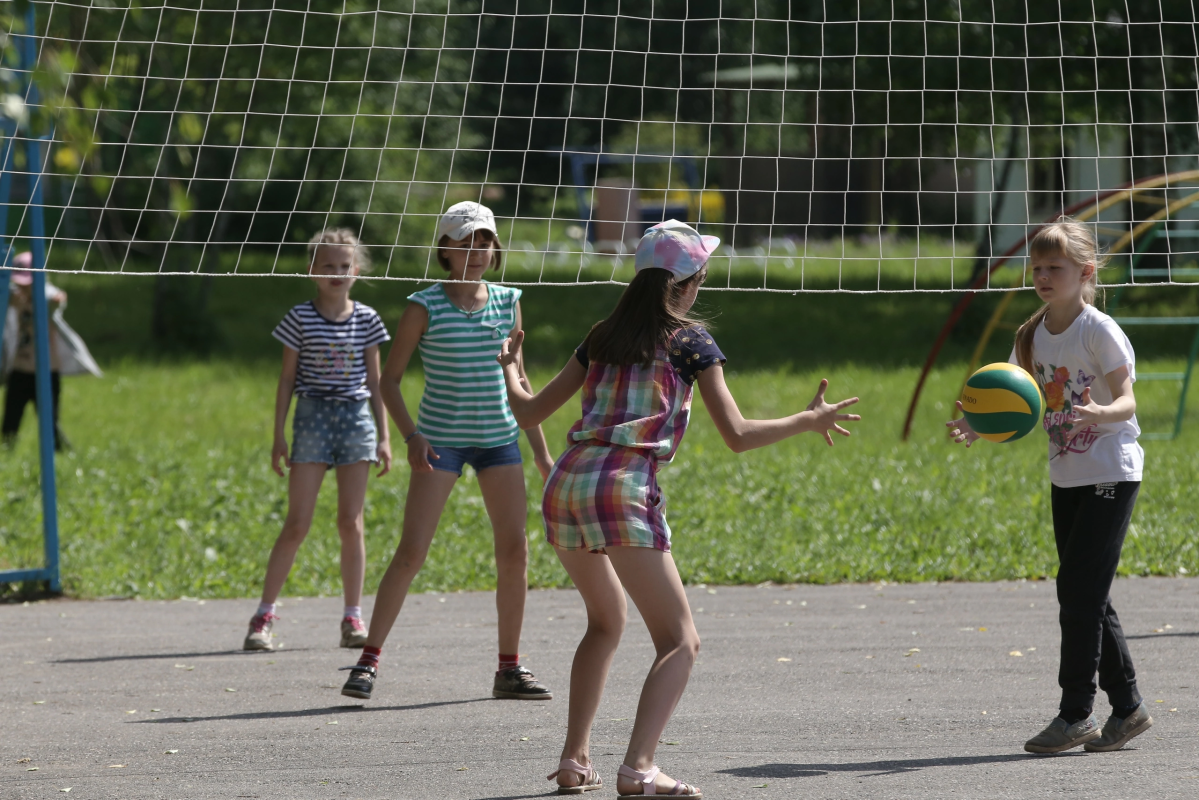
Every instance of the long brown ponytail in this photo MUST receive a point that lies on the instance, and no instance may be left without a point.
(1070, 238)
(645, 317)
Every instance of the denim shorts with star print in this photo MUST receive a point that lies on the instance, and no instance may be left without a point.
(333, 432)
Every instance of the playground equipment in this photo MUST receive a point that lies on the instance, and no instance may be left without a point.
(37, 151)
(1142, 234)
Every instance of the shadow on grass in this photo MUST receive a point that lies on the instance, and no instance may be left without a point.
(888, 767)
(149, 656)
(306, 712)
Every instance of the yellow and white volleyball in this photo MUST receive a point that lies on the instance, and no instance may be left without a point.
(1002, 402)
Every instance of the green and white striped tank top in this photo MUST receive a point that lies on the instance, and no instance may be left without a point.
(465, 403)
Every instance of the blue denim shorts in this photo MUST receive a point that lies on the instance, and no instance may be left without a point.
(452, 458)
(333, 432)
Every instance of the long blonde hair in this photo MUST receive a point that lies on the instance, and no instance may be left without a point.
(1065, 237)
(343, 237)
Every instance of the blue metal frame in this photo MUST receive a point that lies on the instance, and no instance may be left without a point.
(36, 159)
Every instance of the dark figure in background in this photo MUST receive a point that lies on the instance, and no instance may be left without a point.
(21, 382)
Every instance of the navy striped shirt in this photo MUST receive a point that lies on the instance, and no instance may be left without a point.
(331, 365)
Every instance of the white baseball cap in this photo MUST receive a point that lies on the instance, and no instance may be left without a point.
(674, 246)
(462, 219)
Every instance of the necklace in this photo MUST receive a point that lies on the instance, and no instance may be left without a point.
(470, 312)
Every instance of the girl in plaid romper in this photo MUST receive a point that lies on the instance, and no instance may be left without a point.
(603, 509)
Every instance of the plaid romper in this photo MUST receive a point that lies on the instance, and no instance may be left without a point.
(603, 491)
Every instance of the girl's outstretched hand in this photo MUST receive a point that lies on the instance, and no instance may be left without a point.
(960, 429)
(510, 349)
(419, 454)
(279, 453)
(825, 416)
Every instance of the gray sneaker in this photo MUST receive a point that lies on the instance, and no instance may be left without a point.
(1117, 732)
(259, 635)
(1060, 736)
(353, 632)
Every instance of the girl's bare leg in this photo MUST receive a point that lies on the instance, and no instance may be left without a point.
(606, 613)
(303, 486)
(653, 582)
(427, 494)
(507, 505)
(351, 499)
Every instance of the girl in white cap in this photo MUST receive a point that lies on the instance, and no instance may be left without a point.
(603, 509)
(464, 418)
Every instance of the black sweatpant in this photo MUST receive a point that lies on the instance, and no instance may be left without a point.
(21, 389)
(1089, 524)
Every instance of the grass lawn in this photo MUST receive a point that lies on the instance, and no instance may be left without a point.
(168, 490)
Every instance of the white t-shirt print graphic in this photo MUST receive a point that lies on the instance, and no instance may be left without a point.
(1067, 363)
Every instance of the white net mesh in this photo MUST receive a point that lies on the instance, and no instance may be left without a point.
(898, 146)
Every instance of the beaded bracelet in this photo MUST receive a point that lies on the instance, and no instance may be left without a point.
(408, 438)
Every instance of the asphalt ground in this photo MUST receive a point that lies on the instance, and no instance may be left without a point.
(862, 691)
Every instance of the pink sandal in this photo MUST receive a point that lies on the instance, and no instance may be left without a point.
(589, 779)
(646, 779)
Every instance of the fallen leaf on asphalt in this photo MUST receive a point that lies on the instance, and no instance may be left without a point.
(859, 607)
(1173, 709)
(155, 710)
(462, 769)
(670, 743)
(524, 738)
(620, 719)
(331, 722)
(65, 790)
(1031, 649)
(984, 712)
(131, 711)
(230, 690)
(169, 752)
(760, 786)
(913, 650)
(1158, 630)
(1159, 701)
(25, 760)
(116, 766)
(1168, 627)
(784, 659)
(982, 630)
(32, 769)
(39, 702)
(1016, 653)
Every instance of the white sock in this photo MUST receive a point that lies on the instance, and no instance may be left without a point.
(266, 608)
(353, 611)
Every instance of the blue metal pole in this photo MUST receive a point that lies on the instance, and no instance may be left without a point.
(41, 316)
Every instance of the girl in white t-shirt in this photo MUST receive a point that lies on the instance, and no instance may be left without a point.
(1086, 366)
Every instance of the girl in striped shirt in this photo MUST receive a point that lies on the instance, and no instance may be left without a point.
(331, 365)
(464, 418)
(603, 509)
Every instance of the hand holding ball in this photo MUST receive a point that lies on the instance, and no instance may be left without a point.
(1002, 402)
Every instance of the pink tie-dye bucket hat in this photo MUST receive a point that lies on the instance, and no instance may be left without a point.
(676, 247)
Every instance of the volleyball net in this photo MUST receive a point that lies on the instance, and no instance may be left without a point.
(898, 146)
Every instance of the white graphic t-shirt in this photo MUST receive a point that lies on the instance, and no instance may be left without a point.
(1065, 364)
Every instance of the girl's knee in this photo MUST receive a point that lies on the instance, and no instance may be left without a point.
(350, 527)
(512, 551)
(608, 622)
